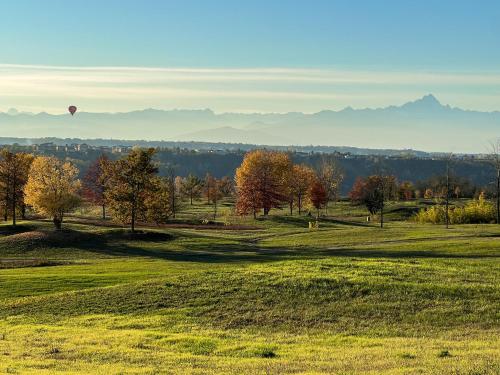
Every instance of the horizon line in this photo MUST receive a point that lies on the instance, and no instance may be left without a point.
(208, 109)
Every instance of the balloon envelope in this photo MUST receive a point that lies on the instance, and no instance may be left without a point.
(72, 109)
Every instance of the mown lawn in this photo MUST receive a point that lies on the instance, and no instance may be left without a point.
(348, 298)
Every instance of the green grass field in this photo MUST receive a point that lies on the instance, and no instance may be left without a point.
(271, 297)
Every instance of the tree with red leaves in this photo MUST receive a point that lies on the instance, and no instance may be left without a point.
(94, 183)
(318, 196)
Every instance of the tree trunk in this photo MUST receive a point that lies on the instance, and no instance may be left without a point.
(14, 201)
(57, 222)
(382, 216)
(498, 196)
(132, 221)
(291, 208)
(447, 196)
(104, 212)
(14, 208)
(191, 199)
(7, 193)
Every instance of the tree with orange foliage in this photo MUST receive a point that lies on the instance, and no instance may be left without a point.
(262, 181)
(406, 191)
(429, 193)
(213, 191)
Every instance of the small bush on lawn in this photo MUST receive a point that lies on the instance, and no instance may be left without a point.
(477, 211)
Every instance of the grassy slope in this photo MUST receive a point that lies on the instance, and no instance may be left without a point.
(347, 298)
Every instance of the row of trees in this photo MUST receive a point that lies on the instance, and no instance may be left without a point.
(268, 179)
(133, 190)
(374, 191)
(131, 187)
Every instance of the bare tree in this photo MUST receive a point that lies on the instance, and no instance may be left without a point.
(174, 187)
(387, 186)
(331, 176)
(494, 158)
(448, 159)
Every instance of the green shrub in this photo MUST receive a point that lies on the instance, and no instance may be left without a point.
(444, 353)
(477, 211)
(268, 353)
(434, 215)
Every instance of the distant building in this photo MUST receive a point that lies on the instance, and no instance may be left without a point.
(49, 146)
(83, 147)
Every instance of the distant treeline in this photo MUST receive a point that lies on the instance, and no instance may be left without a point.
(224, 163)
(414, 170)
(221, 146)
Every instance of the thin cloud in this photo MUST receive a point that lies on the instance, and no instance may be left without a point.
(146, 74)
(230, 89)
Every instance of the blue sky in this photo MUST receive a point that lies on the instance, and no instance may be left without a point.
(370, 37)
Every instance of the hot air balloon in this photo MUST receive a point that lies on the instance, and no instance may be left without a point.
(72, 109)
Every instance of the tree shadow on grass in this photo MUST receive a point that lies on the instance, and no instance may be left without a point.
(194, 247)
(201, 250)
(192, 252)
(302, 221)
(7, 230)
(398, 254)
(348, 223)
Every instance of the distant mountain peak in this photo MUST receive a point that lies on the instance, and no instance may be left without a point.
(427, 102)
(429, 99)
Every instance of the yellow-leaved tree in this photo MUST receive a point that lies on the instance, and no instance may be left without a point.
(52, 188)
